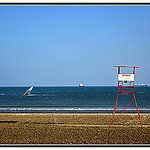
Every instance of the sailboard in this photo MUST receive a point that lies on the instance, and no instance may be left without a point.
(28, 91)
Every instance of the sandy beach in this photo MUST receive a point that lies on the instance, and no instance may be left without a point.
(85, 128)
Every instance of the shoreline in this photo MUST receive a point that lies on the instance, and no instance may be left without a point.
(73, 128)
(93, 114)
(39, 113)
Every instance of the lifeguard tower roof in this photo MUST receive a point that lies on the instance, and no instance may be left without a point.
(128, 66)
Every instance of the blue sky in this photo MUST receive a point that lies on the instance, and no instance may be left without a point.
(68, 45)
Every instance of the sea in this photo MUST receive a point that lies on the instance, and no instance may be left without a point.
(72, 100)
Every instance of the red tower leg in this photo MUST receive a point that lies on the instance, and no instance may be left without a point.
(137, 110)
(114, 109)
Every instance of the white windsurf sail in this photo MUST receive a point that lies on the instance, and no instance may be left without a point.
(28, 91)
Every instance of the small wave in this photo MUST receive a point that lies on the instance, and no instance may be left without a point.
(75, 109)
(31, 95)
(2, 94)
(40, 95)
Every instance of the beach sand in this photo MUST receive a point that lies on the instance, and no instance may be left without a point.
(73, 128)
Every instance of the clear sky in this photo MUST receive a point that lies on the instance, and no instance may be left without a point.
(68, 45)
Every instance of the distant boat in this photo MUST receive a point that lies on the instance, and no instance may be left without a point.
(28, 91)
(141, 84)
(81, 85)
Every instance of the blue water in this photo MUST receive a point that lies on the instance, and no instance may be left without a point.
(71, 100)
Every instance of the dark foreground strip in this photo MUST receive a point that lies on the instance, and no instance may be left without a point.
(9, 121)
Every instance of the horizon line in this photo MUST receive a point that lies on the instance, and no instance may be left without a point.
(50, 85)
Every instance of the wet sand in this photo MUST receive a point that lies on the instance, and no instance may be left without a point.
(81, 128)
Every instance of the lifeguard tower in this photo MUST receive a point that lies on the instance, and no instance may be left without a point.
(126, 84)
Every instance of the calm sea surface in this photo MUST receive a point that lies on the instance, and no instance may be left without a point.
(71, 100)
